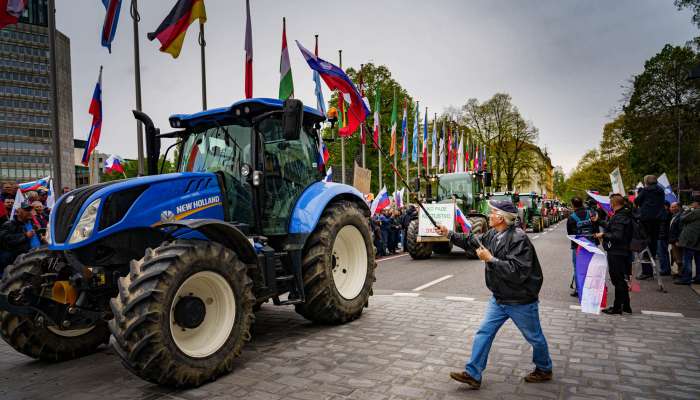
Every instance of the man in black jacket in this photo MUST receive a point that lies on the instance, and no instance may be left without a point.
(650, 200)
(674, 234)
(15, 238)
(617, 237)
(514, 276)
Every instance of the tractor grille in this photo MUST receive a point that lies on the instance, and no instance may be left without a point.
(66, 213)
(117, 204)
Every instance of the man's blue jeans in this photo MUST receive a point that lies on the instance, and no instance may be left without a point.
(526, 317)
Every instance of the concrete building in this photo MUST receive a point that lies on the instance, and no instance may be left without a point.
(25, 94)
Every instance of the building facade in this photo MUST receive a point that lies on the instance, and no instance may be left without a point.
(26, 134)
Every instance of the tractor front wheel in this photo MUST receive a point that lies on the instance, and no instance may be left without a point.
(183, 313)
(338, 265)
(26, 335)
(417, 250)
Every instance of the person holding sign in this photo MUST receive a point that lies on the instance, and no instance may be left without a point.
(514, 276)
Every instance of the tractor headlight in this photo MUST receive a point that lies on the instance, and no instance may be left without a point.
(86, 224)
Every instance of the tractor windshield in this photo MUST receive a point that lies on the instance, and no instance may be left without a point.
(501, 197)
(458, 185)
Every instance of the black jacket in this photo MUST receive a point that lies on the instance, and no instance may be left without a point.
(650, 201)
(516, 276)
(665, 225)
(12, 237)
(408, 216)
(618, 231)
(674, 232)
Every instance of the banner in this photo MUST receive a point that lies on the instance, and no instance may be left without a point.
(668, 192)
(591, 268)
(616, 181)
(361, 179)
(443, 214)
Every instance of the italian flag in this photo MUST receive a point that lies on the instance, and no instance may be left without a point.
(286, 83)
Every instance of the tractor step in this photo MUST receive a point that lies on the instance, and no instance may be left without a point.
(276, 301)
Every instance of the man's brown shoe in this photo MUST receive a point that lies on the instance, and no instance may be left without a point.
(538, 376)
(464, 377)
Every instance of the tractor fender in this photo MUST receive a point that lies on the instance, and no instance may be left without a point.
(314, 200)
(221, 232)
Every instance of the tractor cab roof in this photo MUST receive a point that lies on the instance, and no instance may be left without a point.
(240, 112)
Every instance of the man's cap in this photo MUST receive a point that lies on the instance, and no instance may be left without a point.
(503, 205)
(25, 205)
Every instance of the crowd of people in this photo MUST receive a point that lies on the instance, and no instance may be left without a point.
(646, 224)
(390, 228)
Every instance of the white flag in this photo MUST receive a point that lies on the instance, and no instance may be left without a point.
(616, 181)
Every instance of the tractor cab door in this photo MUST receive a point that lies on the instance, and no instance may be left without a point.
(290, 167)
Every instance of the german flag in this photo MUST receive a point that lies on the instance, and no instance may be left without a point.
(171, 32)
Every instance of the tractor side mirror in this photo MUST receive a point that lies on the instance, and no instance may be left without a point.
(152, 142)
(487, 179)
(292, 118)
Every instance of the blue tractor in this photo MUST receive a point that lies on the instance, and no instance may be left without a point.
(173, 266)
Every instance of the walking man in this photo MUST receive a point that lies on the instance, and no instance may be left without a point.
(514, 276)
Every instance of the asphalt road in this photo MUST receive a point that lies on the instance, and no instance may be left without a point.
(462, 277)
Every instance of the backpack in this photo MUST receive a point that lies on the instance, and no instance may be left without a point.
(584, 227)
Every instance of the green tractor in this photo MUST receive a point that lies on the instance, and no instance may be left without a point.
(530, 211)
(466, 191)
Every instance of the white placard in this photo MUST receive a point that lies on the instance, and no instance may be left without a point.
(443, 214)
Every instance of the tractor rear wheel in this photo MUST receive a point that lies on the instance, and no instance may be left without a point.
(442, 247)
(417, 250)
(24, 334)
(536, 224)
(338, 265)
(183, 313)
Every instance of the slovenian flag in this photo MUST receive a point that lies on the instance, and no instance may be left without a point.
(591, 268)
(114, 163)
(462, 220)
(329, 175)
(336, 79)
(109, 28)
(96, 126)
(380, 202)
(603, 201)
(171, 32)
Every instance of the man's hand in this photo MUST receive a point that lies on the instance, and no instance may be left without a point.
(484, 254)
(29, 234)
(442, 230)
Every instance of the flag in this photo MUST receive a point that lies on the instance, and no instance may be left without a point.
(433, 144)
(109, 28)
(414, 156)
(114, 164)
(603, 201)
(336, 79)
(462, 220)
(404, 132)
(377, 117)
(441, 166)
(320, 103)
(10, 11)
(96, 126)
(425, 139)
(33, 186)
(380, 202)
(248, 53)
(329, 175)
(466, 156)
(394, 121)
(476, 158)
(323, 155)
(286, 82)
(591, 267)
(460, 154)
(171, 32)
(398, 197)
(668, 192)
(448, 150)
(363, 137)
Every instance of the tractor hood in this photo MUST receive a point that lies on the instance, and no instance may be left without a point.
(91, 213)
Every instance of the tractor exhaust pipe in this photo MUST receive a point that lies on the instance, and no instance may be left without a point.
(152, 142)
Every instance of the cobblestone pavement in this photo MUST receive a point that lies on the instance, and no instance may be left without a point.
(404, 348)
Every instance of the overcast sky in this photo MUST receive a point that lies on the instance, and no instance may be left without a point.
(563, 61)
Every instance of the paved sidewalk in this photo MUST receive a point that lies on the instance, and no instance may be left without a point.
(404, 348)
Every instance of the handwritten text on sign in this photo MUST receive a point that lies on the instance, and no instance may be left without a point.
(443, 214)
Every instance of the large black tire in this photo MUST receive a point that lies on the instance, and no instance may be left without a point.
(417, 250)
(442, 247)
(41, 342)
(142, 324)
(324, 302)
(536, 224)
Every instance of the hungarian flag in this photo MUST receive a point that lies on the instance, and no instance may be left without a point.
(171, 32)
(109, 28)
(96, 126)
(394, 121)
(248, 53)
(404, 132)
(377, 117)
(10, 11)
(286, 83)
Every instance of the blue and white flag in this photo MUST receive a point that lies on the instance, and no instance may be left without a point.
(668, 192)
(591, 267)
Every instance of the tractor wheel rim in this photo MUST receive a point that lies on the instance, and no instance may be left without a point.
(69, 333)
(350, 268)
(220, 314)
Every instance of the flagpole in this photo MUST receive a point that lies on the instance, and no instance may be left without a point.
(342, 139)
(136, 17)
(202, 46)
(56, 137)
